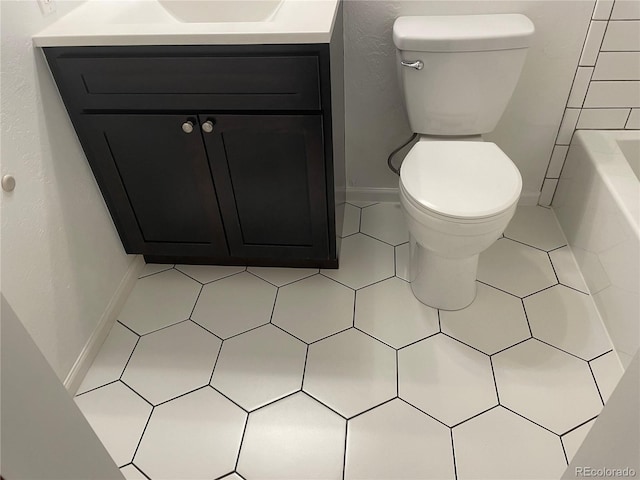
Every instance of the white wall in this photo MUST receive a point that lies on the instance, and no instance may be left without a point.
(44, 434)
(606, 88)
(375, 118)
(61, 257)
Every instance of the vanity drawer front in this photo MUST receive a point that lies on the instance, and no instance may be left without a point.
(192, 82)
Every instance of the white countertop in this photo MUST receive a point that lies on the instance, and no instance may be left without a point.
(146, 22)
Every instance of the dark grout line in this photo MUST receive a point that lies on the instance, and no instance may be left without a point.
(224, 395)
(553, 268)
(215, 362)
(304, 368)
(575, 289)
(453, 454)
(344, 455)
(539, 291)
(324, 404)
(165, 327)
(511, 346)
(526, 317)
(330, 335)
(601, 355)
(374, 338)
(141, 471)
(144, 430)
(96, 388)
(564, 451)
(287, 332)
(129, 359)
(201, 387)
(528, 419)
(244, 432)
(156, 273)
(595, 382)
(495, 382)
(338, 282)
(578, 426)
(423, 412)
(497, 288)
(561, 349)
(372, 408)
(127, 327)
(465, 344)
(497, 405)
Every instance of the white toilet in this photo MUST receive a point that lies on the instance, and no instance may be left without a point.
(458, 193)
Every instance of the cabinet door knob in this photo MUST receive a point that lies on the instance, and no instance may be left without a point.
(207, 127)
(187, 127)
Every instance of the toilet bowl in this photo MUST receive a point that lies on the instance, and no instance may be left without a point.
(457, 197)
(458, 193)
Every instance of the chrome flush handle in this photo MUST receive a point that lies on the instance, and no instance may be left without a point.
(417, 64)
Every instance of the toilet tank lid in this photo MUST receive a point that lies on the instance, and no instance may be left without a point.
(462, 33)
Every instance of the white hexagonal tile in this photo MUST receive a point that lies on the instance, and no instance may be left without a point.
(397, 441)
(567, 269)
(172, 361)
(607, 371)
(259, 366)
(209, 273)
(501, 445)
(446, 379)
(569, 320)
(350, 372)
(494, 321)
(390, 312)
(159, 300)
(295, 438)
(194, 436)
(111, 359)
(536, 226)
(515, 268)
(282, 276)
(152, 268)
(547, 386)
(314, 308)
(351, 222)
(130, 472)
(574, 439)
(118, 416)
(234, 304)
(386, 222)
(363, 261)
(402, 261)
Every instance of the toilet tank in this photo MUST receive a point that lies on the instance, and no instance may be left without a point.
(470, 67)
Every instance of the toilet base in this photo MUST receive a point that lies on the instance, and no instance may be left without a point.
(444, 283)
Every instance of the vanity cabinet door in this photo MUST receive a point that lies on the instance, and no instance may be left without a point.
(270, 174)
(155, 177)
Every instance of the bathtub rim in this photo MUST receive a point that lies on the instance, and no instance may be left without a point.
(608, 159)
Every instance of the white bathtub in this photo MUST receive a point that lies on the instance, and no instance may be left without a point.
(598, 206)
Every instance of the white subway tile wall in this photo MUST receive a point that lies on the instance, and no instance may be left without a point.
(605, 94)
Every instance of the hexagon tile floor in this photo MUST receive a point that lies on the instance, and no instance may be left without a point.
(272, 373)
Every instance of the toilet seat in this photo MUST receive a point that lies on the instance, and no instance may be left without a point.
(460, 180)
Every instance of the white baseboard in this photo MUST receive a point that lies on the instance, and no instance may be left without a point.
(107, 320)
(529, 198)
(373, 194)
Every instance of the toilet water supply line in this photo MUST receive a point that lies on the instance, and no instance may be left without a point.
(389, 160)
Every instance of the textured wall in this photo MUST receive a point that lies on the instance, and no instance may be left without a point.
(606, 88)
(61, 257)
(375, 118)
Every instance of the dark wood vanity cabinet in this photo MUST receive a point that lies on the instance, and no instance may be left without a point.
(212, 154)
